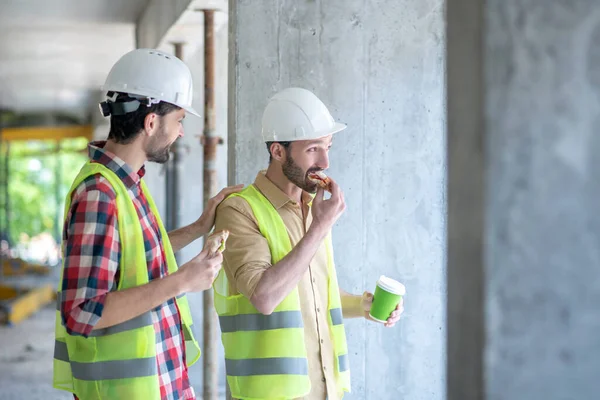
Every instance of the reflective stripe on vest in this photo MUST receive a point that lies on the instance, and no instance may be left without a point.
(337, 318)
(102, 370)
(267, 366)
(260, 322)
(343, 362)
(259, 348)
(119, 361)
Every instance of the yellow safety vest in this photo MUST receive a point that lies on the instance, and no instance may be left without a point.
(119, 362)
(265, 355)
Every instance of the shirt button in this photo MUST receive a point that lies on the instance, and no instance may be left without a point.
(323, 379)
(324, 368)
(318, 310)
(321, 341)
(314, 280)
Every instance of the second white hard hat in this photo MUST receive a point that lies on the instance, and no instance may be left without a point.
(155, 75)
(297, 114)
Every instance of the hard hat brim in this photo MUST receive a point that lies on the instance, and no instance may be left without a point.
(192, 111)
(337, 127)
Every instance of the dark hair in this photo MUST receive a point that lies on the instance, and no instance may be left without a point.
(125, 128)
(286, 145)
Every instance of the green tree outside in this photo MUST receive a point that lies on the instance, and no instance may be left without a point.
(38, 180)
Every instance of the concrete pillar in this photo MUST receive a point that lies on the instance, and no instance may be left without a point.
(523, 223)
(379, 67)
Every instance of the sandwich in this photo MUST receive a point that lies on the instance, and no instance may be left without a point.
(215, 243)
(322, 180)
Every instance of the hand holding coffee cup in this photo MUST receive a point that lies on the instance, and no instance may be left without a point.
(387, 304)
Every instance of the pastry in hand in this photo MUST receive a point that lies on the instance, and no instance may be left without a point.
(215, 243)
(320, 179)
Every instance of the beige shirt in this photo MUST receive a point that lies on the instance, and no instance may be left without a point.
(247, 256)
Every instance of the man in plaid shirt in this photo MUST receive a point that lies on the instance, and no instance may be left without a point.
(142, 129)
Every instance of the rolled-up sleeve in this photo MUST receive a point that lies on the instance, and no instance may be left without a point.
(91, 255)
(247, 255)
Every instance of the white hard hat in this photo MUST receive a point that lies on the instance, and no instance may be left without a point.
(155, 75)
(297, 114)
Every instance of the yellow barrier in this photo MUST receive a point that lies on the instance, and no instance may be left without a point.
(18, 304)
(47, 132)
(18, 267)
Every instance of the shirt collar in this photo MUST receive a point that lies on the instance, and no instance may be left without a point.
(123, 170)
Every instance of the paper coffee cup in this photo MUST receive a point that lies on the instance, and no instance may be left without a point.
(388, 293)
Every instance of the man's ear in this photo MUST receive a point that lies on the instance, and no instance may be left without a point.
(150, 124)
(278, 152)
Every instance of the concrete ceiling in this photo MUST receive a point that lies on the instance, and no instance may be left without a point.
(55, 54)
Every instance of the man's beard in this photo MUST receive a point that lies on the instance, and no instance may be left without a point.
(294, 173)
(158, 153)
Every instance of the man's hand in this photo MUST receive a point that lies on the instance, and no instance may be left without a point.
(207, 219)
(199, 273)
(367, 302)
(326, 212)
(196, 275)
(181, 237)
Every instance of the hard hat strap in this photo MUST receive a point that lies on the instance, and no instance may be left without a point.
(114, 107)
(108, 108)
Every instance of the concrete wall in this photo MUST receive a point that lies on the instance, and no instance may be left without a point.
(537, 73)
(379, 66)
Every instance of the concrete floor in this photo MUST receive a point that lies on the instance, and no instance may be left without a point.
(26, 359)
(27, 348)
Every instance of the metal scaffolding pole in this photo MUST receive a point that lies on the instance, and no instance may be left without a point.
(58, 192)
(173, 173)
(169, 205)
(210, 142)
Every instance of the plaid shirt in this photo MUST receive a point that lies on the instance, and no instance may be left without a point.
(91, 238)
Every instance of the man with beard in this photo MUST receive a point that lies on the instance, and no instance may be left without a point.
(123, 324)
(280, 308)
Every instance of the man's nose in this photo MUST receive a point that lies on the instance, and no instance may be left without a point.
(323, 162)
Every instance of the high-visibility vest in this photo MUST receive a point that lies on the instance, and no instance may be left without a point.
(265, 355)
(119, 362)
